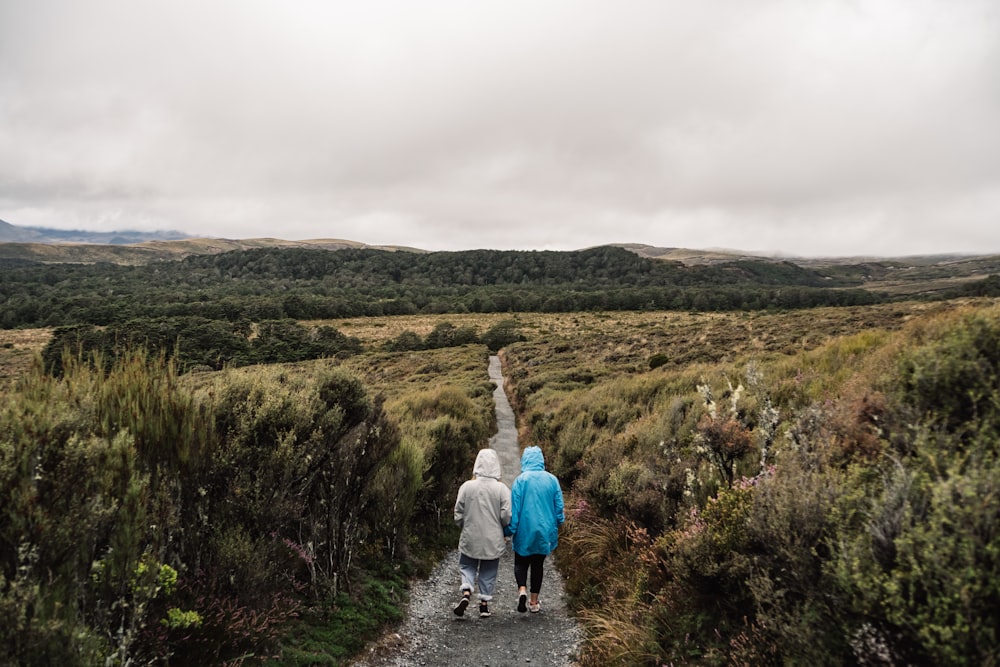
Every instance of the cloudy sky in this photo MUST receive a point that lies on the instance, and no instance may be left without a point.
(804, 127)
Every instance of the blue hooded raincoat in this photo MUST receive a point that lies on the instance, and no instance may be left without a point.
(536, 507)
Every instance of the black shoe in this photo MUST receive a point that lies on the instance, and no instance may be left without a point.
(522, 602)
(460, 607)
(484, 609)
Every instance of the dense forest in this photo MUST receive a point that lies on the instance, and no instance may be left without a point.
(278, 283)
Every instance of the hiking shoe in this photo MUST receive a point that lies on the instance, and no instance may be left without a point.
(484, 609)
(522, 602)
(461, 606)
(534, 608)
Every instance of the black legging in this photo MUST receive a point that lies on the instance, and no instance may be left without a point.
(521, 565)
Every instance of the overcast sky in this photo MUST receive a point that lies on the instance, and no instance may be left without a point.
(803, 127)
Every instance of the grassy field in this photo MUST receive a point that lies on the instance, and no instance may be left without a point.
(625, 341)
(17, 349)
(685, 337)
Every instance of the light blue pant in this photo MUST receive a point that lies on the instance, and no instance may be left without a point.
(487, 570)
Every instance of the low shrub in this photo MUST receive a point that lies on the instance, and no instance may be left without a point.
(835, 506)
(143, 520)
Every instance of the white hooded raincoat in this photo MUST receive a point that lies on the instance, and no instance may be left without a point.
(483, 509)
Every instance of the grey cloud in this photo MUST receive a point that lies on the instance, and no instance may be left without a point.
(761, 124)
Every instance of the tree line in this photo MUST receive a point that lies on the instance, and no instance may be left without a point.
(197, 343)
(296, 283)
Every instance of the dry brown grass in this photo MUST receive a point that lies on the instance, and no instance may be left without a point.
(687, 337)
(18, 348)
(377, 330)
(916, 287)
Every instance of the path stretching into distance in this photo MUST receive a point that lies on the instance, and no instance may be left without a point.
(432, 636)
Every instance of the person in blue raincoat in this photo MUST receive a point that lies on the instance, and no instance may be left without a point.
(536, 514)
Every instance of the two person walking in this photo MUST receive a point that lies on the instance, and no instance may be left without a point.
(530, 512)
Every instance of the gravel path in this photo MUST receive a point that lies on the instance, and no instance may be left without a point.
(432, 636)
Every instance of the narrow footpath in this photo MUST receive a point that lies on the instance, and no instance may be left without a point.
(432, 636)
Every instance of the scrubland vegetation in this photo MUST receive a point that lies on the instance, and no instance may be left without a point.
(818, 489)
(231, 517)
(767, 487)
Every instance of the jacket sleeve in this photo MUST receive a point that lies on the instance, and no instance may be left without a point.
(516, 494)
(505, 507)
(460, 506)
(558, 502)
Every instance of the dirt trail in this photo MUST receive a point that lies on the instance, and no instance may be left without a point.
(432, 636)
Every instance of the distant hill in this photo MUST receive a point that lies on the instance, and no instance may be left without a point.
(717, 256)
(157, 251)
(899, 276)
(918, 274)
(14, 234)
(20, 245)
(690, 256)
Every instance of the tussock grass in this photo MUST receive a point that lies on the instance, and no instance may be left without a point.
(748, 532)
(18, 348)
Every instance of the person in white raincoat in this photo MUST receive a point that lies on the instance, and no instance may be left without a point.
(482, 510)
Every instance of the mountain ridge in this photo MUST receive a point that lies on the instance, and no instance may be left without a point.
(901, 274)
(16, 234)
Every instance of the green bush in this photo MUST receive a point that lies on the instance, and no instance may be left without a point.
(88, 486)
(197, 342)
(500, 335)
(143, 521)
(446, 334)
(657, 360)
(407, 341)
(283, 341)
(954, 382)
(302, 457)
(925, 570)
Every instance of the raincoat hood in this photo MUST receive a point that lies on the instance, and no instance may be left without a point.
(487, 464)
(532, 459)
